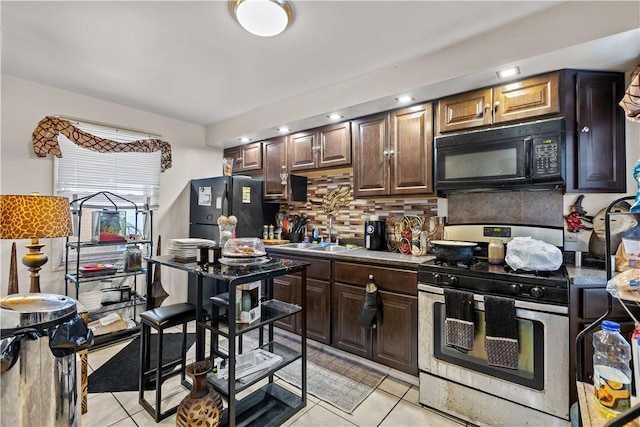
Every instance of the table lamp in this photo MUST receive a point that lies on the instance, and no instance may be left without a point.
(34, 217)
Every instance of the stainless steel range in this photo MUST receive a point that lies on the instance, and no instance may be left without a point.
(466, 383)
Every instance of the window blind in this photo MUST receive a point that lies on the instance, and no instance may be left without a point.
(82, 172)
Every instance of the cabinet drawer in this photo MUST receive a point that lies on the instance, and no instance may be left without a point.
(387, 279)
(594, 305)
(319, 268)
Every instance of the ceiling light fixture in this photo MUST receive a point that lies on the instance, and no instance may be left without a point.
(264, 18)
(508, 72)
(405, 98)
(244, 139)
(334, 116)
(283, 129)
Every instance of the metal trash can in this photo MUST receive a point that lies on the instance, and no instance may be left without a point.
(40, 334)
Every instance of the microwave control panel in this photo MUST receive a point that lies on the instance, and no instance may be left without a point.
(546, 153)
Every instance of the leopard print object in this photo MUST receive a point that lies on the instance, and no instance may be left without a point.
(630, 103)
(202, 407)
(45, 141)
(24, 217)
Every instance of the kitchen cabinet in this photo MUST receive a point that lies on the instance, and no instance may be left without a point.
(318, 305)
(104, 290)
(246, 157)
(393, 339)
(393, 153)
(595, 135)
(322, 148)
(532, 97)
(275, 163)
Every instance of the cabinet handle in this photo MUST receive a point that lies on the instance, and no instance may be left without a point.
(487, 106)
(585, 129)
(385, 153)
(239, 159)
(496, 105)
(391, 153)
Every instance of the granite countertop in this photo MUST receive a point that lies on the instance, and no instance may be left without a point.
(356, 255)
(586, 275)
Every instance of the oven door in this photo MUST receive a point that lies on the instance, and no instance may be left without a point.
(542, 377)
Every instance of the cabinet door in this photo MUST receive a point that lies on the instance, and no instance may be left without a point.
(600, 161)
(302, 150)
(412, 145)
(348, 332)
(334, 145)
(396, 336)
(234, 153)
(466, 110)
(275, 162)
(287, 289)
(318, 310)
(371, 145)
(251, 157)
(527, 98)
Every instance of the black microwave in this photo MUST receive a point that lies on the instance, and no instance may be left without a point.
(523, 156)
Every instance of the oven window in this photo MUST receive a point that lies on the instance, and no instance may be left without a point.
(501, 162)
(530, 372)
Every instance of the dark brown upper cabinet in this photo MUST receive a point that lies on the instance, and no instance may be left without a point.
(393, 153)
(595, 150)
(527, 98)
(275, 163)
(322, 148)
(246, 157)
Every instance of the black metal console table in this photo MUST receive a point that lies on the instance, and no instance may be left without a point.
(271, 404)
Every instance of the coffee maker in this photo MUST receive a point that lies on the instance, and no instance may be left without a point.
(375, 234)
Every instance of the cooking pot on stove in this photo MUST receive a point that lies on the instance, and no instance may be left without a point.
(619, 225)
(454, 251)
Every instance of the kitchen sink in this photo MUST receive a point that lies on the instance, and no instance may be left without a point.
(297, 245)
(331, 248)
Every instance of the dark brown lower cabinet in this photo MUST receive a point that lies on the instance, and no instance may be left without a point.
(318, 305)
(393, 339)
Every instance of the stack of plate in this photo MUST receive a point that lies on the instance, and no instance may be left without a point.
(185, 250)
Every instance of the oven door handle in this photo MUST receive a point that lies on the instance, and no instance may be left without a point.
(478, 298)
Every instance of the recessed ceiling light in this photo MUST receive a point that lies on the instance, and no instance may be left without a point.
(405, 98)
(263, 18)
(244, 139)
(508, 72)
(334, 116)
(283, 129)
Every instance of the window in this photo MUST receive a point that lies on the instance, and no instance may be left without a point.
(82, 172)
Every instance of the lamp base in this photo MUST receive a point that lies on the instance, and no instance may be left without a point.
(34, 260)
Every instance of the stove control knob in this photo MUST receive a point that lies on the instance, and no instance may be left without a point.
(453, 281)
(437, 278)
(514, 288)
(536, 292)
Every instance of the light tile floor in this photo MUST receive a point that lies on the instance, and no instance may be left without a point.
(393, 404)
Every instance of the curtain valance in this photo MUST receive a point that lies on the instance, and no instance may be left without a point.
(45, 141)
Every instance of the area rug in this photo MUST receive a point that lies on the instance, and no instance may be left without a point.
(121, 372)
(337, 380)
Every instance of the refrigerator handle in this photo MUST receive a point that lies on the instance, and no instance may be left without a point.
(225, 199)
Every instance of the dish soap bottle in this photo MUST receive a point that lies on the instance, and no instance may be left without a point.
(611, 372)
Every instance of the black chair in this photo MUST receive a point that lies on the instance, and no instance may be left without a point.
(160, 319)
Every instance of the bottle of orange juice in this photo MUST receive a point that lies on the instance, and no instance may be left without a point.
(611, 372)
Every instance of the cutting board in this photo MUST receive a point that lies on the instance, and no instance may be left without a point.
(274, 242)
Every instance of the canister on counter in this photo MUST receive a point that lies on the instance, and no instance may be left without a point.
(496, 252)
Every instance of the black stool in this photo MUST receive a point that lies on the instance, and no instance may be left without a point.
(160, 319)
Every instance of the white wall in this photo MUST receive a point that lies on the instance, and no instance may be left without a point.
(25, 103)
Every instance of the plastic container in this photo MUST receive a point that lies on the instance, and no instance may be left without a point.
(248, 247)
(611, 372)
(496, 252)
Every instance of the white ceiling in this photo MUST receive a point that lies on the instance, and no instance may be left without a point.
(189, 60)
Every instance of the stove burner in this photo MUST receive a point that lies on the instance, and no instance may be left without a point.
(458, 264)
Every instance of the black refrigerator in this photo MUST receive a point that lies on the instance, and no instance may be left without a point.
(226, 195)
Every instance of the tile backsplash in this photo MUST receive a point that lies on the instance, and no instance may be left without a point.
(348, 223)
(507, 207)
